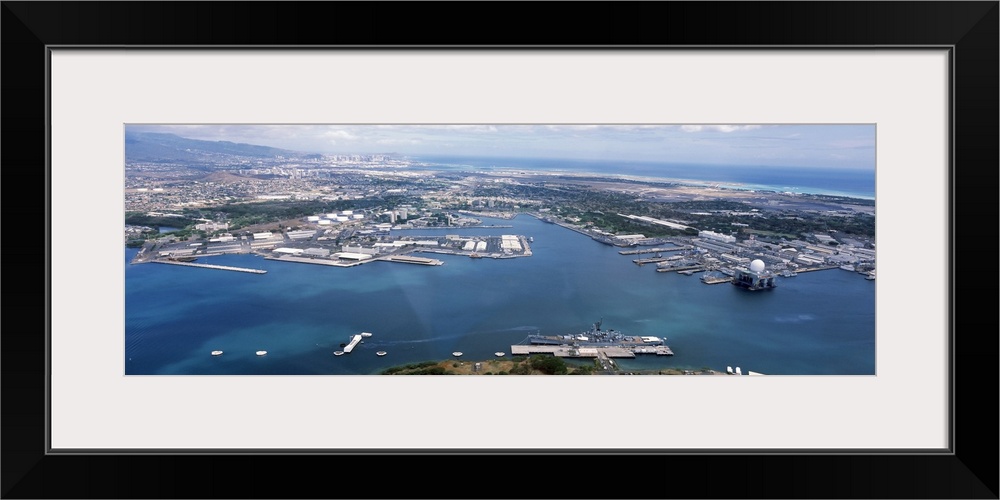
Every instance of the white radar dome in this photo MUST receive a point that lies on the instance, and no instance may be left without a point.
(757, 266)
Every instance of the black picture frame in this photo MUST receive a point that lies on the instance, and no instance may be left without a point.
(970, 29)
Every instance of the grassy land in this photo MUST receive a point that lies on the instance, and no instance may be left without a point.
(535, 365)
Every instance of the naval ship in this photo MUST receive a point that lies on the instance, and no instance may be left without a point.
(595, 337)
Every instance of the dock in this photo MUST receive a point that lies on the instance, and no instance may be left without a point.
(317, 261)
(679, 269)
(408, 259)
(650, 260)
(653, 250)
(811, 269)
(212, 266)
(715, 280)
(569, 351)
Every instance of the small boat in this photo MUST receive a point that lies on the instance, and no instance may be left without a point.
(216, 353)
(261, 353)
(380, 353)
(456, 353)
(499, 354)
(338, 353)
(366, 334)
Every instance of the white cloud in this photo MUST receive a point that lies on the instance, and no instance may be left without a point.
(718, 128)
(339, 134)
(559, 128)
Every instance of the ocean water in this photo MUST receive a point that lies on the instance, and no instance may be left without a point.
(815, 323)
(857, 183)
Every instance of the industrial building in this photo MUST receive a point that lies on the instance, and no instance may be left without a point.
(317, 252)
(301, 235)
(717, 247)
(359, 250)
(352, 256)
(810, 260)
(212, 226)
(510, 242)
(717, 236)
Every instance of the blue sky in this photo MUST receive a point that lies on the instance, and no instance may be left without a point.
(803, 146)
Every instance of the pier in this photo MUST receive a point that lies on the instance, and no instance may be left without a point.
(650, 260)
(566, 351)
(653, 250)
(212, 266)
(715, 280)
(318, 261)
(569, 351)
(679, 269)
(811, 269)
(407, 259)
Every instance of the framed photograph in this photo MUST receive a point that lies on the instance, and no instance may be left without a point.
(325, 169)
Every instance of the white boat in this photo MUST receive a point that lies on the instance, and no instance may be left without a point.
(216, 353)
(456, 353)
(261, 353)
(847, 267)
(380, 353)
(366, 334)
(499, 354)
(338, 353)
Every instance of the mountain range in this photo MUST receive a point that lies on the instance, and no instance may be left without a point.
(158, 146)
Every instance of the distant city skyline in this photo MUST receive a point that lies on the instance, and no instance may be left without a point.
(804, 146)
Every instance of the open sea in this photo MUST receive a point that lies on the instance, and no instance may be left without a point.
(817, 323)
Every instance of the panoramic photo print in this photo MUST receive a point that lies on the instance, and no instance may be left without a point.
(479, 249)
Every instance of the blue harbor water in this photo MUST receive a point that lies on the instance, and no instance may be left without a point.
(820, 322)
(857, 183)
